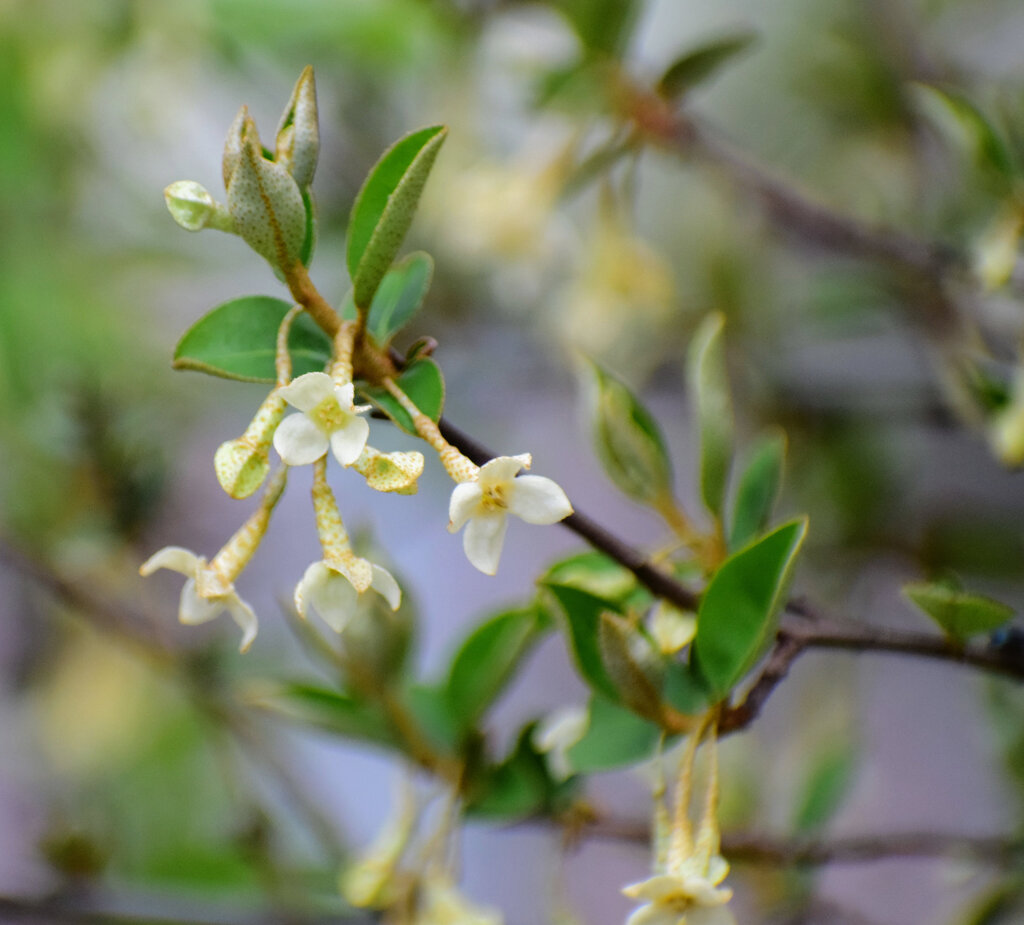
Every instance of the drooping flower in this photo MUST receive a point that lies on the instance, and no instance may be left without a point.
(207, 593)
(685, 897)
(441, 903)
(332, 589)
(482, 504)
(328, 419)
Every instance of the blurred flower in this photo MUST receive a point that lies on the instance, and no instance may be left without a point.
(684, 897)
(332, 588)
(328, 419)
(557, 733)
(442, 904)
(673, 629)
(374, 881)
(482, 506)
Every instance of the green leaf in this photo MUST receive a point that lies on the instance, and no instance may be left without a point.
(488, 659)
(961, 614)
(595, 573)
(631, 664)
(828, 783)
(384, 208)
(685, 688)
(423, 383)
(697, 65)
(615, 737)
(428, 705)
(339, 714)
(309, 242)
(583, 612)
(758, 490)
(399, 296)
(604, 26)
(628, 440)
(709, 387)
(238, 340)
(737, 613)
(969, 128)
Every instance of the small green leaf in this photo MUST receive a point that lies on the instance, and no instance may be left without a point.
(237, 340)
(709, 387)
(628, 440)
(961, 614)
(828, 782)
(685, 689)
(738, 610)
(604, 26)
(488, 659)
(332, 712)
(697, 65)
(615, 737)
(309, 242)
(399, 296)
(595, 573)
(384, 208)
(758, 490)
(583, 612)
(428, 705)
(631, 664)
(423, 383)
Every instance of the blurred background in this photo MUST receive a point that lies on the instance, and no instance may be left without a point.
(127, 785)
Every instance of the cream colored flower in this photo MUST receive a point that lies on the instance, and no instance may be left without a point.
(483, 503)
(207, 593)
(329, 419)
(332, 589)
(683, 897)
(441, 903)
(557, 733)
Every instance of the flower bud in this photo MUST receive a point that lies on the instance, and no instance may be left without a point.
(395, 472)
(298, 135)
(192, 207)
(242, 464)
(263, 199)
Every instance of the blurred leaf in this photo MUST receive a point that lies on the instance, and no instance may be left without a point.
(697, 65)
(428, 703)
(309, 242)
(685, 689)
(583, 612)
(237, 340)
(966, 126)
(974, 541)
(488, 659)
(758, 490)
(399, 296)
(738, 610)
(332, 712)
(422, 381)
(827, 784)
(631, 664)
(595, 573)
(385, 206)
(961, 614)
(614, 737)
(709, 388)
(628, 440)
(604, 26)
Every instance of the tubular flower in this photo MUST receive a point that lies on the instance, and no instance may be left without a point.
(482, 504)
(207, 593)
(332, 589)
(329, 419)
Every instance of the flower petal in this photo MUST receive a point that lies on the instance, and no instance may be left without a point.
(658, 888)
(538, 500)
(335, 601)
(193, 609)
(385, 585)
(312, 580)
(346, 395)
(503, 468)
(717, 915)
(463, 505)
(307, 391)
(174, 558)
(245, 617)
(483, 540)
(347, 441)
(299, 441)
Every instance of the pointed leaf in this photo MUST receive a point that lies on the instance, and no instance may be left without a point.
(757, 491)
(631, 664)
(423, 383)
(399, 296)
(332, 712)
(595, 573)
(385, 206)
(738, 611)
(697, 65)
(237, 340)
(961, 614)
(604, 26)
(709, 388)
(828, 783)
(583, 612)
(615, 737)
(628, 440)
(488, 659)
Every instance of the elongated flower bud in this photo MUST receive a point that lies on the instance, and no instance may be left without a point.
(298, 134)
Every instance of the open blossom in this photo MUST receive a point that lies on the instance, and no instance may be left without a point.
(328, 419)
(685, 896)
(483, 503)
(207, 593)
(332, 589)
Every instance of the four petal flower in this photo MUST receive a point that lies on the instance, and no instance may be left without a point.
(329, 419)
(482, 506)
(206, 594)
(332, 589)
